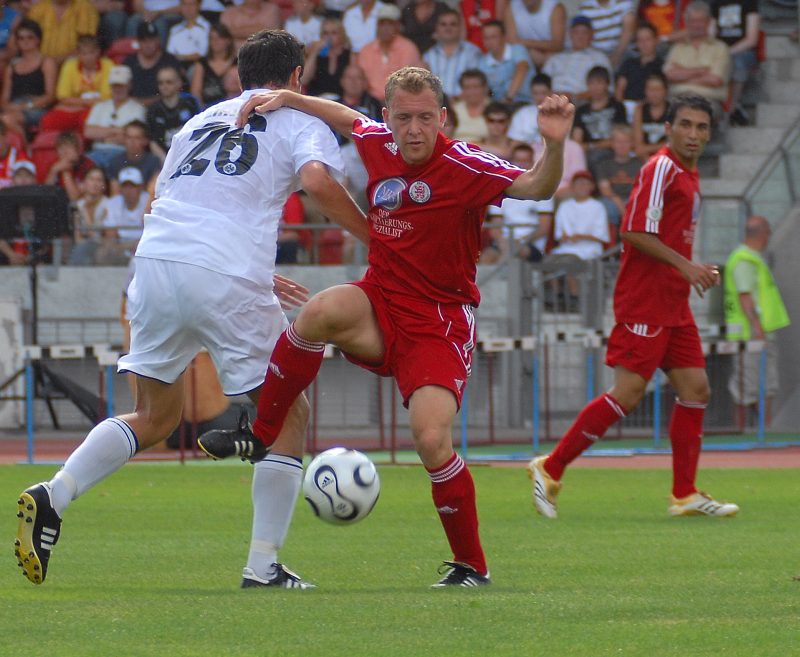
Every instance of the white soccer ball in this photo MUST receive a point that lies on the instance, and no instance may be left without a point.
(341, 486)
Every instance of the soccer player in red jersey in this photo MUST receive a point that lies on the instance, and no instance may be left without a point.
(411, 316)
(654, 324)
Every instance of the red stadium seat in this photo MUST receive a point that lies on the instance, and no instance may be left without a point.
(121, 48)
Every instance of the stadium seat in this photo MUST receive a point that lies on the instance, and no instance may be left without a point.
(43, 152)
(331, 246)
(121, 48)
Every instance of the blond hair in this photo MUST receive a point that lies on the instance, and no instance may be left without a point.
(414, 80)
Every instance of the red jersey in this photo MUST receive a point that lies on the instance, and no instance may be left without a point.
(664, 201)
(425, 221)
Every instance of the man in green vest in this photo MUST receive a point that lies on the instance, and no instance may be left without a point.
(754, 310)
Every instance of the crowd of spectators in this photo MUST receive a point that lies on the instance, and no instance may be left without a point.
(94, 90)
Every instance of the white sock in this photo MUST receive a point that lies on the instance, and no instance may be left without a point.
(276, 483)
(109, 446)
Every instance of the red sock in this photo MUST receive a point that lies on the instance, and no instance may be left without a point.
(686, 436)
(293, 366)
(590, 425)
(454, 497)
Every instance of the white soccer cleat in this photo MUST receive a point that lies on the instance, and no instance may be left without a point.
(545, 488)
(702, 504)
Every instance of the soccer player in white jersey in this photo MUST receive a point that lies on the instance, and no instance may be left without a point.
(204, 279)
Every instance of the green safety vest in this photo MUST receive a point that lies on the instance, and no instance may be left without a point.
(772, 312)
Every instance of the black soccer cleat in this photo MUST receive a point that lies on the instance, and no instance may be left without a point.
(282, 579)
(241, 442)
(37, 533)
(460, 574)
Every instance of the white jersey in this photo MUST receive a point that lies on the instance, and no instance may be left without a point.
(222, 189)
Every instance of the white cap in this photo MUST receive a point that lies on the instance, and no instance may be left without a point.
(24, 164)
(120, 75)
(130, 175)
(387, 12)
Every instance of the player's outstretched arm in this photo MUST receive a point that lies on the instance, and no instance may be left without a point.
(700, 276)
(555, 122)
(337, 116)
(335, 201)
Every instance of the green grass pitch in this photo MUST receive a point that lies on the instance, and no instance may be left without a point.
(149, 563)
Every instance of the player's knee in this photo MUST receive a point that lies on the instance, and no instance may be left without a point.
(432, 444)
(698, 393)
(318, 318)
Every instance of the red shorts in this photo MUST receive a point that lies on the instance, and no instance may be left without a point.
(426, 343)
(643, 349)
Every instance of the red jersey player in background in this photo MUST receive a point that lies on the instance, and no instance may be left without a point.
(654, 324)
(411, 316)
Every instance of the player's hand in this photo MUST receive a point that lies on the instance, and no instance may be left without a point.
(555, 118)
(289, 293)
(701, 276)
(269, 101)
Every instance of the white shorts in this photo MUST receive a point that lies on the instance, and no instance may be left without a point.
(177, 309)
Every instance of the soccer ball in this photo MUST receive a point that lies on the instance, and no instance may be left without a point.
(341, 486)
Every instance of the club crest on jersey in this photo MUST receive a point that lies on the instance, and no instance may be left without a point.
(391, 147)
(419, 192)
(388, 193)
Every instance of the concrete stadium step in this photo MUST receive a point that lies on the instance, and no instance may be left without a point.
(737, 166)
(782, 91)
(711, 187)
(781, 46)
(776, 115)
(754, 140)
(781, 68)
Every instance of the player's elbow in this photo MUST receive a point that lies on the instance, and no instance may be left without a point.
(317, 181)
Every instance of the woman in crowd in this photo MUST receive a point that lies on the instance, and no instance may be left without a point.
(327, 60)
(419, 21)
(208, 78)
(30, 80)
(91, 211)
(649, 116)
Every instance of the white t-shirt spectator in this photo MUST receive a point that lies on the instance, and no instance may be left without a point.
(360, 30)
(308, 32)
(524, 126)
(581, 217)
(523, 213)
(184, 40)
(120, 215)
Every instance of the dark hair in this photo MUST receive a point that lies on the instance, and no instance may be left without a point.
(646, 25)
(30, 26)
(138, 123)
(449, 12)
(88, 40)
(598, 73)
(69, 137)
(496, 107)
(692, 101)
(224, 33)
(657, 75)
(542, 78)
(474, 73)
(522, 146)
(268, 58)
(102, 171)
(498, 24)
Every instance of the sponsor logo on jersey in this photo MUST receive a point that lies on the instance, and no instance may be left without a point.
(388, 193)
(419, 192)
(391, 147)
